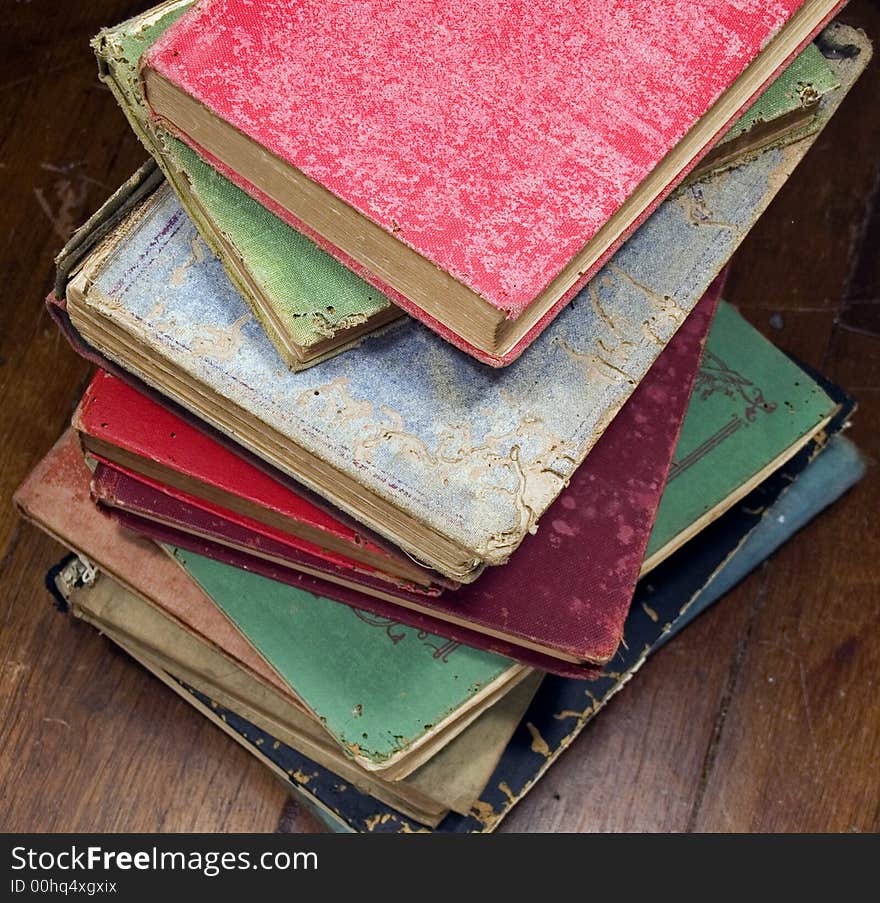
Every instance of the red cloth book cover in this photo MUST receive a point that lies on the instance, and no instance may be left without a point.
(115, 487)
(560, 602)
(494, 139)
(113, 417)
(55, 496)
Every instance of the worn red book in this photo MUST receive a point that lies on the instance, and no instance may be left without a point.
(115, 487)
(120, 425)
(477, 162)
(55, 496)
(561, 600)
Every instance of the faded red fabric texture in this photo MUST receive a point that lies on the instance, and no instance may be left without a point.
(493, 138)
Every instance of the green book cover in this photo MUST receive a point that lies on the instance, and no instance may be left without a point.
(786, 112)
(807, 78)
(377, 686)
(300, 294)
(751, 408)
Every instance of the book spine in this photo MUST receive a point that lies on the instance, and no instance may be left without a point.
(57, 307)
(135, 189)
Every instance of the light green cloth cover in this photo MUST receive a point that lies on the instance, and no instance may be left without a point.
(313, 295)
(750, 404)
(376, 685)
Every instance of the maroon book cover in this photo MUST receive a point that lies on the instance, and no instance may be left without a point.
(115, 488)
(563, 597)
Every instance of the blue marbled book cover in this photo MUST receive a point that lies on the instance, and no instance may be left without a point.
(473, 453)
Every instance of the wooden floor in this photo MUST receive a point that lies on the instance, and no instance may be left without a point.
(764, 715)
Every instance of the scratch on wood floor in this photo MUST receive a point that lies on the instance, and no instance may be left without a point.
(56, 721)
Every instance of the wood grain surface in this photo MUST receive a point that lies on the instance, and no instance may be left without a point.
(763, 715)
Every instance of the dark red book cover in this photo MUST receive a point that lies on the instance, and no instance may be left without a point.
(565, 593)
(388, 611)
(115, 487)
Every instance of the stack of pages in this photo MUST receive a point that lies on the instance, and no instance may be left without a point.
(419, 419)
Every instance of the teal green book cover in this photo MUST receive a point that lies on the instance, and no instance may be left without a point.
(379, 688)
(309, 304)
(751, 409)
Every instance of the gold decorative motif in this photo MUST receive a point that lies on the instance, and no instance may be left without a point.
(398, 632)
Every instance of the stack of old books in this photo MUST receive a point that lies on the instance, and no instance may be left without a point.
(404, 559)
